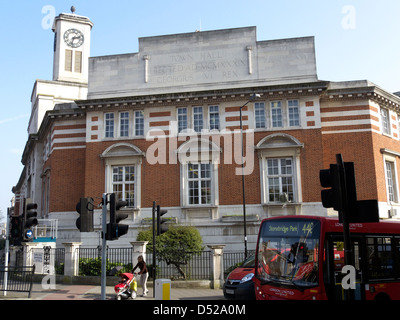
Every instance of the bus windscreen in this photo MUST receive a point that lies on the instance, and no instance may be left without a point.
(288, 252)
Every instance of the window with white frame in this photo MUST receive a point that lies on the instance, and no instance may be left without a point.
(276, 114)
(385, 121)
(199, 183)
(259, 111)
(123, 163)
(293, 112)
(182, 119)
(124, 124)
(391, 181)
(109, 125)
(123, 183)
(199, 173)
(139, 123)
(280, 178)
(198, 119)
(280, 169)
(213, 117)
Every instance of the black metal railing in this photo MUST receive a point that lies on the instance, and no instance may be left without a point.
(198, 267)
(17, 279)
(90, 260)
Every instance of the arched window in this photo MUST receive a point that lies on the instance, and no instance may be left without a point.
(199, 160)
(123, 172)
(279, 156)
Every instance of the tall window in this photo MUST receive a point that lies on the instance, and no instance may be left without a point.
(293, 110)
(124, 124)
(78, 62)
(391, 181)
(280, 178)
(182, 119)
(385, 121)
(276, 114)
(73, 59)
(259, 110)
(197, 119)
(68, 60)
(123, 183)
(139, 123)
(199, 183)
(109, 125)
(214, 117)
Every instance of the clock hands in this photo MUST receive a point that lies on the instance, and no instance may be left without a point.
(73, 38)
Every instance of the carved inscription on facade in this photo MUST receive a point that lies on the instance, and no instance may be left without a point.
(206, 66)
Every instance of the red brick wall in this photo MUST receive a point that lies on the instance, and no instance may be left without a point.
(66, 179)
(355, 147)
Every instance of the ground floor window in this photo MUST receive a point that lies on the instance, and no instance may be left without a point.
(199, 183)
(280, 179)
(123, 183)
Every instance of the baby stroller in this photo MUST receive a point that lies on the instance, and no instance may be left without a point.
(127, 287)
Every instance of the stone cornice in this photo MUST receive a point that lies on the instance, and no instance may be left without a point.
(205, 97)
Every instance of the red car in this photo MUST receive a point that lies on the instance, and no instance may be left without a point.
(239, 283)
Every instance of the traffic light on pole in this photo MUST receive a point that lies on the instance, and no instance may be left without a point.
(85, 220)
(332, 197)
(30, 214)
(16, 230)
(114, 228)
(342, 194)
(161, 228)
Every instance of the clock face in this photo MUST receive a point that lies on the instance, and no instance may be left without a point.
(73, 38)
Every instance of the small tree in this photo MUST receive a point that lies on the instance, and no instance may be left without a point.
(177, 246)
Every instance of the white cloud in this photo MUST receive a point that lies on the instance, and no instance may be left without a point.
(16, 151)
(21, 116)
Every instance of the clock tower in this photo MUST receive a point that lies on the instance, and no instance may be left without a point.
(71, 47)
(70, 68)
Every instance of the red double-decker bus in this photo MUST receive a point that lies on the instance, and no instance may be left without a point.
(301, 258)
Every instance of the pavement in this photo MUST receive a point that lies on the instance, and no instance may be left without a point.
(92, 292)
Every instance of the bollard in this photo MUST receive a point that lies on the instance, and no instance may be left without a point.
(163, 289)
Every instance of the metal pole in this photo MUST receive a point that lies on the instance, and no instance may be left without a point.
(154, 248)
(103, 247)
(348, 249)
(7, 248)
(243, 186)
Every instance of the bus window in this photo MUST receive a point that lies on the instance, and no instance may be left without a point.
(288, 253)
(380, 258)
(338, 255)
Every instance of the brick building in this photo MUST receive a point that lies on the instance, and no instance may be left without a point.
(163, 125)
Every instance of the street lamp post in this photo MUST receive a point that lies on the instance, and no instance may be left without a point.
(252, 98)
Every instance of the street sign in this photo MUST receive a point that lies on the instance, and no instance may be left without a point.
(29, 234)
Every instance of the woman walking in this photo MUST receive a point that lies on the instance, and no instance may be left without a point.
(143, 274)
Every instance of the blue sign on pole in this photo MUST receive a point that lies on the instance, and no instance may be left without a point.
(29, 234)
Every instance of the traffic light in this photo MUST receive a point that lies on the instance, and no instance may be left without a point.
(85, 220)
(16, 230)
(114, 228)
(332, 197)
(342, 195)
(30, 214)
(161, 227)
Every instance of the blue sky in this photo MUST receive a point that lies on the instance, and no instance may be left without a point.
(355, 40)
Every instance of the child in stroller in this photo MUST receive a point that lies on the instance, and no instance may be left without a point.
(127, 287)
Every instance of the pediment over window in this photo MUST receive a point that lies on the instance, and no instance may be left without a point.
(198, 150)
(279, 141)
(119, 150)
